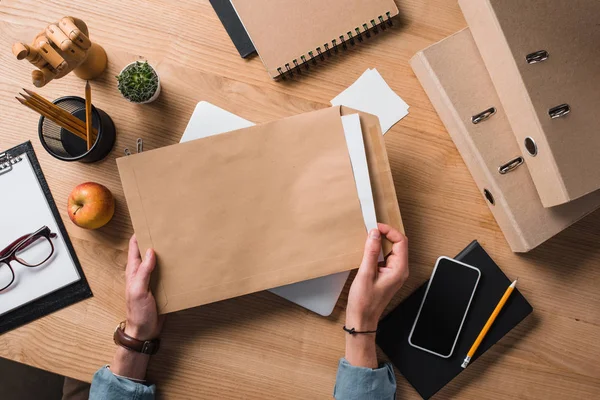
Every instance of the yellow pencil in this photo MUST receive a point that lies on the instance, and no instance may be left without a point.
(88, 115)
(489, 323)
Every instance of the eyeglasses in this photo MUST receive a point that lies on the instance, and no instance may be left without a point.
(30, 250)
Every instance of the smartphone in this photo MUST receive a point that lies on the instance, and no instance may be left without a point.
(444, 307)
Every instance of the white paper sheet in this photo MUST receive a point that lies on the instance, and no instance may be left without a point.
(24, 210)
(358, 158)
(318, 295)
(208, 120)
(371, 94)
(360, 168)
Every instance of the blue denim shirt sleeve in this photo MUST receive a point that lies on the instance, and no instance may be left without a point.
(358, 383)
(107, 386)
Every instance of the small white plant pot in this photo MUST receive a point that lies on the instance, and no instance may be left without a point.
(154, 96)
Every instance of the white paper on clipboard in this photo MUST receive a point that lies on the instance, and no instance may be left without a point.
(24, 210)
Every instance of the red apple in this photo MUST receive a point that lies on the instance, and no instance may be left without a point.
(91, 205)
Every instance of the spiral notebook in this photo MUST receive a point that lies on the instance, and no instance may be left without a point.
(291, 36)
(27, 205)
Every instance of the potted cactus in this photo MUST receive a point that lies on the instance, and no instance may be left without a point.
(139, 82)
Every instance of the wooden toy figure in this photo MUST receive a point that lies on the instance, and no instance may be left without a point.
(61, 48)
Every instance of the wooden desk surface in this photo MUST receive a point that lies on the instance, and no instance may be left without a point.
(260, 346)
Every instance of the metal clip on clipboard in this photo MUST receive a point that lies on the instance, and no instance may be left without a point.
(7, 162)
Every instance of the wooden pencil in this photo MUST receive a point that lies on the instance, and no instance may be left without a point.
(65, 124)
(88, 114)
(51, 105)
(488, 324)
(57, 113)
(63, 112)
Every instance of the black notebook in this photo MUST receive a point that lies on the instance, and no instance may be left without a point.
(234, 27)
(27, 206)
(428, 373)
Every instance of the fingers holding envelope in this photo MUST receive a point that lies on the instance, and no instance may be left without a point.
(397, 261)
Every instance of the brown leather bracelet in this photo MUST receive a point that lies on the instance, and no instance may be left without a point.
(122, 339)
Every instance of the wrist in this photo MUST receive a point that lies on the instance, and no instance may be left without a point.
(138, 332)
(130, 364)
(361, 324)
(361, 350)
(124, 339)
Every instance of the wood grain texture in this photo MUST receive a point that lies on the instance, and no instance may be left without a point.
(260, 346)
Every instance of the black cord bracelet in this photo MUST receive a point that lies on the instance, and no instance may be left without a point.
(353, 331)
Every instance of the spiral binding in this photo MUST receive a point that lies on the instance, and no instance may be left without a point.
(381, 23)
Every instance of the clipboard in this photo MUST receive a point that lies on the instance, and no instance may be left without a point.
(57, 298)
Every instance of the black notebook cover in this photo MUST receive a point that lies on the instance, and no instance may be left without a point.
(234, 27)
(428, 373)
(61, 298)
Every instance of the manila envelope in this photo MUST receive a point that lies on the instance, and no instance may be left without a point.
(255, 208)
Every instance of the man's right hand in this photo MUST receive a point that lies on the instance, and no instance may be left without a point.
(372, 289)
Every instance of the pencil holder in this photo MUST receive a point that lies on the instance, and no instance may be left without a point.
(66, 146)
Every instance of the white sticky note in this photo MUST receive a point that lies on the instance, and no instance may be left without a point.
(371, 94)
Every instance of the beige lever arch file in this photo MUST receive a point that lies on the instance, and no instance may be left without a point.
(456, 80)
(255, 208)
(544, 60)
(292, 35)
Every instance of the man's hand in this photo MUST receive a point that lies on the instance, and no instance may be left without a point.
(143, 322)
(372, 289)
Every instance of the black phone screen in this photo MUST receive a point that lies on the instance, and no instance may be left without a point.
(446, 303)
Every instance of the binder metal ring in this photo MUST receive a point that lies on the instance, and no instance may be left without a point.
(511, 165)
(482, 116)
(537, 56)
(559, 111)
